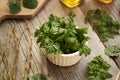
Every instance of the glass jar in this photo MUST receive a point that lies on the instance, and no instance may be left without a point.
(106, 1)
(71, 3)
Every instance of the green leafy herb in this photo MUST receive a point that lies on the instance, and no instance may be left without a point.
(59, 36)
(98, 69)
(103, 24)
(85, 50)
(37, 77)
(112, 51)
(14, 6)
(31, 4)
(13, 1)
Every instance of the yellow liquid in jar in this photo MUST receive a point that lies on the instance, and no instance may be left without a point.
(106, 1)
(71, 3)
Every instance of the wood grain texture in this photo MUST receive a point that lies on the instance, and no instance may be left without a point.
(39, 62)
(24, 13)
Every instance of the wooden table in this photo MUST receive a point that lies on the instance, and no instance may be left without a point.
(32, 55)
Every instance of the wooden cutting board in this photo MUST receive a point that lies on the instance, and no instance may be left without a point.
(24, 13)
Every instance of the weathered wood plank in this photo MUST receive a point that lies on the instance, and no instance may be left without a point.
(24, 48)
(11, 46)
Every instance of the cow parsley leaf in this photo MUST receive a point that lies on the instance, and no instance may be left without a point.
(98, 69)
(112, 51)
(103, 24)
(14, 6)
(37, 77)
(59, 35)
(31, 4)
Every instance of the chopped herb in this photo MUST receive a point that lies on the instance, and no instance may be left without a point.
(105, 26)
(59, 36)
(14, 6)
(98, 69)
(112, 51)
(31, 4)
(85, 50)
(13, 1)
(37, 77)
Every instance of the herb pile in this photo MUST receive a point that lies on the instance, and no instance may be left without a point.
(103, 24)
(37, 77)
(98, 69)
(14, 6)
(31, 4)
(112, 51)
(59, 36)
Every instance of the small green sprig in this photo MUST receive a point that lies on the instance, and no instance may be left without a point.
(14, 6)
(104, 25)
(112, 51)
(59, 36)
(98, 69)
(37, 77)
(31, 4)
(85, 50)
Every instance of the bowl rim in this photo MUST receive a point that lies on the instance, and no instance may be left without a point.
(71, 54)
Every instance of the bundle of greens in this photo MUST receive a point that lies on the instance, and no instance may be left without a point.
(98, 69)
(37, 77)
(112, 51)
(59, 36)
(14, 6)
(103, 24)
(31, 4)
